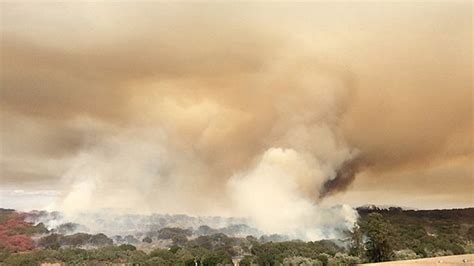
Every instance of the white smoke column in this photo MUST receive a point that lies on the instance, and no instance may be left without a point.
(271, 196)
(279, 193)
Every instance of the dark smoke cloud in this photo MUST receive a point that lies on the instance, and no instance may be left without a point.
(343, 179)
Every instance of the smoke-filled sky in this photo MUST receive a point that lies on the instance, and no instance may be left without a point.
(236, 108)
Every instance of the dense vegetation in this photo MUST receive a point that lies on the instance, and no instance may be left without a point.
(425, 233)
(379, 235)
(15, 232)
(219, 253)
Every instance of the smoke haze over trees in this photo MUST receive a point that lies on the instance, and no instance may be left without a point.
(381, 234)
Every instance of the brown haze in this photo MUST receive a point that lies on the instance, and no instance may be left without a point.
(198, 107)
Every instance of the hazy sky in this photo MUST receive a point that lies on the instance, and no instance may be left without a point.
(191, 102)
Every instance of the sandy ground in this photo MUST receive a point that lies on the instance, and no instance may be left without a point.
(467, 259)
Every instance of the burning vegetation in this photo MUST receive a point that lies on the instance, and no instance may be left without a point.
(379, 235)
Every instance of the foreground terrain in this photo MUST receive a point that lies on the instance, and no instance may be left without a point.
(445, 260)
(31, 238)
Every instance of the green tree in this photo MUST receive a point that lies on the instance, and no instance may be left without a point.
(247, 260)
(379, 234)
(50, 242)
(216, 258)
(470, 233)
(167, 256)
(357, 245)
(127, 247)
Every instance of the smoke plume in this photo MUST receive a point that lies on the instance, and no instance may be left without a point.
(191, 159)
(265, 113)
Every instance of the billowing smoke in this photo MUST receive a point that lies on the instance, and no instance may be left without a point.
(265, 111)
(269, 162)
(271, 195)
